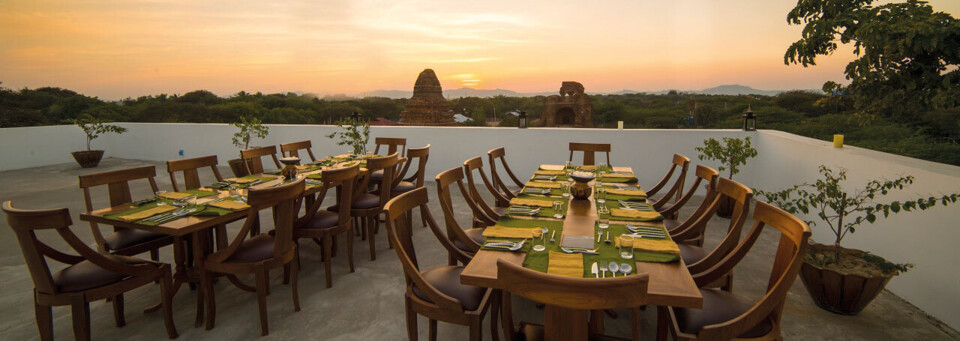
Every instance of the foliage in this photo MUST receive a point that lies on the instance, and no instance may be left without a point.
(248, 129)
(844, 211)
(907, 54)
(733, 153)
(352, 134)
(94, 128)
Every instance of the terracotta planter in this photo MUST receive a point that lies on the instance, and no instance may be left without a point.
(840, 293)
(237, 167)
(88, 158)
(725, 209)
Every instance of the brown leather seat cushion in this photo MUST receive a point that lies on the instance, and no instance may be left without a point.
(691, 254)
(322, 220)
(447, 280)
(671, 224)
(86, 275)
(376, 176)
(365, 201)
(475, 234)
(500, 210)
(125, 238)
(254, 249)
(403, 187)
(718, 307)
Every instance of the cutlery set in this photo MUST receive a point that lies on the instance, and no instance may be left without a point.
(635, 206)
(506, 245)
(168, 217)
(523, 210)
(613, 267)
(646, 232)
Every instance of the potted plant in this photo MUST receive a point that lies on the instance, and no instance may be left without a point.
(830, 271)
(93, 128)
(731, 154)
(248, 129)
(352, 134)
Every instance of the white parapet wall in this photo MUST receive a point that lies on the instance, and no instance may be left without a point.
(926, 239)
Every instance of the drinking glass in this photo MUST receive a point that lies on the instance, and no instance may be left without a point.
(568, 165)
(601, 167)
(234, 190)
(601, 195)
(603, 222)
(558, 209)
(538, 240)
(626, 246)
(159, 197)
(565, 189)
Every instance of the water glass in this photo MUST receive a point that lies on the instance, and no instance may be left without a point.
(558, 209)
(568, 165)
(603, 222)
(234, 190)
(158, 196)
(601, 195)
(601, 167)
(539, 240)
(565, 189)
(626, 246)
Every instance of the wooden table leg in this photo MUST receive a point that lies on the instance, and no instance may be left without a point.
(199, 253)
(565, 324)
(180, 276)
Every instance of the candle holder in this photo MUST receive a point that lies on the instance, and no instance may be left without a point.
(289, 170)
(581, 189)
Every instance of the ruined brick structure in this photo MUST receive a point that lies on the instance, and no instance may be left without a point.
(572, 108)
(427, 107)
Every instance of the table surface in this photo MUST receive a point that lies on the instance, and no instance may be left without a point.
(670, 283)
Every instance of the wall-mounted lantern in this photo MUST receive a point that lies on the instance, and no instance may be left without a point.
(749, 120)
(522, 120)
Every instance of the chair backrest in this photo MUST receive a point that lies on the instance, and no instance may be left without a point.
(499, 154)
(454, 230)
(393, 144)
(704, 174)
(293, 149)
(285, 201)
(741, 195)
(344, 180)
(692, 228)
(679, 161)
(118, 187)
(190, 170)
(252, 158)
(398, 211)
(794, 238)
(574, 293)
(420, 156)
(388, 165)
(589, 152)
(476, 164)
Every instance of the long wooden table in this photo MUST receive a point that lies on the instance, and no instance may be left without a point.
(670, 283)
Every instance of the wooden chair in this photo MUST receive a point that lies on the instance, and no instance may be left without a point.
(679, 161)
(367, 207)
(436, 293)
(589, 152)
(486, 215)
(393, 144)
(124, 241)
(499, 154)
(252, 158)
(569, 300)
(671, 210)
(468, 241)
(257, 255)
(727, 316)
(323, 226)
(699, 259)
(89, 277)
(189, 169)
(293, 149)
(416, 180)
(691, 230)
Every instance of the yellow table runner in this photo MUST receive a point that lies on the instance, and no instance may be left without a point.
(543, 184)
(652, 245)
(231, 205)
(497, 231)
(552, 167)
(638, 193)
(563, 264)
(588, 167)
(241, 180)
(147, 213)
(618, 175)
(619, 212)
(175, 195)
(549, 172)
(531, 202)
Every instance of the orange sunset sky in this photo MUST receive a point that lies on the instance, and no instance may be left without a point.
(116, 49)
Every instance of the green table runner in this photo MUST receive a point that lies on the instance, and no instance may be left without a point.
(611, 204)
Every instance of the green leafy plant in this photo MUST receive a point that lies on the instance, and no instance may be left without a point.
(844, 211)
(248, 130)
(732, 153)
(352, 134)
(94, 128)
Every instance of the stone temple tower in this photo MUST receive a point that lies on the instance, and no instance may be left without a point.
(427, 107)
(572, 108)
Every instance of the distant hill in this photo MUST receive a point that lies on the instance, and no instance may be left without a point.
(736, 89)
(729, 89)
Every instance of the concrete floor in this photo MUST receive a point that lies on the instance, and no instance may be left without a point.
(367, 304)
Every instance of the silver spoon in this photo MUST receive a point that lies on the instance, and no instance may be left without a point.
(614, 267)
(625, 269)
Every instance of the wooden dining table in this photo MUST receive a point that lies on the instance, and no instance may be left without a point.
(199, 229)
(670, 283)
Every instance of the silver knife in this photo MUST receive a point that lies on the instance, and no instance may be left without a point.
(594, 270)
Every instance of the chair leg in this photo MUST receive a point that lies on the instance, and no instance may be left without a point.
(293, 285)
(506, 313)
(476, 329)
(494, 311)
(423, 216)
(663, 323)
(412, 334)
(44, 316)
(261, 275)
(118, 311)
(81, 318)
(166, 300)
(207, 281)
(155, 255)
(635, 322)
(350, 248)
(327, 261)
(432, 331)
(373, 247)
(221, 231)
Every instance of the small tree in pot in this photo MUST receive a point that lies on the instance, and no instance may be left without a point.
(354, 134)
(731, 154)
(248, 129)
(829, 271)
(93, 128)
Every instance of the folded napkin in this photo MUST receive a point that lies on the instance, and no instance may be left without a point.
(552, 167)
(242, 180)
(497, 231)
(531, 202)
(549, 172)
(588, 167)
(646, 215)
(230, 205)
(147, 213)
(543, 184)
(175, 195)
(636, 193)
(342, 156)
(652, 245)
(564, 264)
(618, 175)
